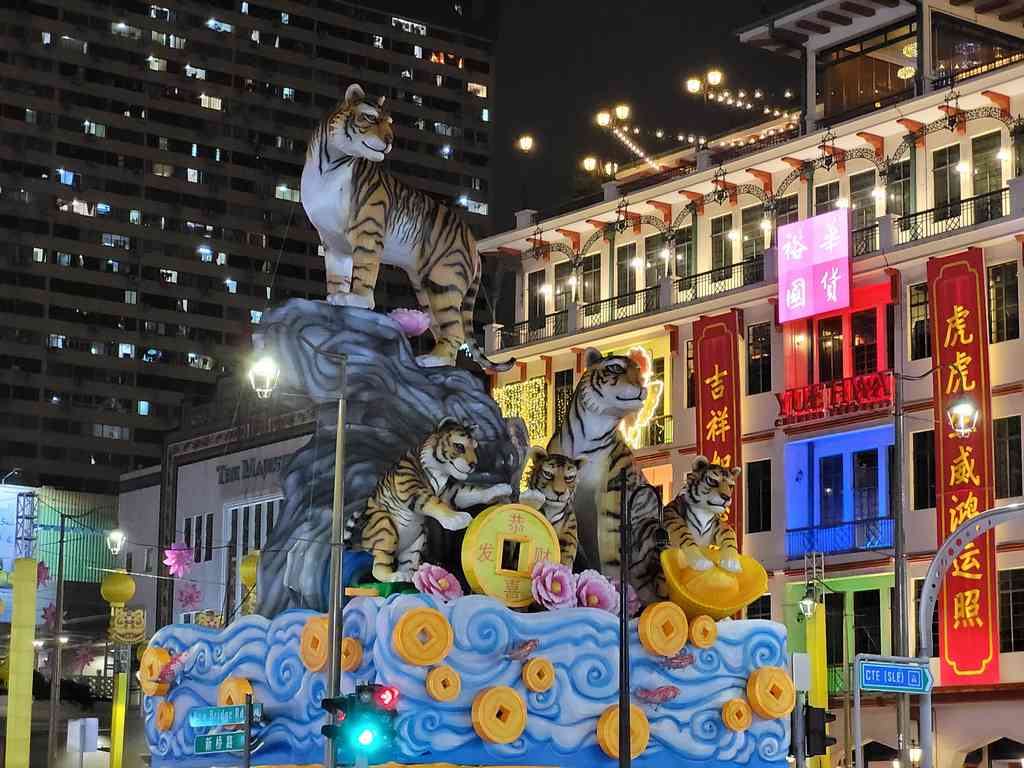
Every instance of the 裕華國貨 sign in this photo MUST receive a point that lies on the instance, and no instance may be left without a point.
(814, 265)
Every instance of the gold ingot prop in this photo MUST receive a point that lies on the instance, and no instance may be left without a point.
(351, 654)
(232, 691)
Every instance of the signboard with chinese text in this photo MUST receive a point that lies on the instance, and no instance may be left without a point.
(968, 612)
(717, 375)
(221, 742)
(814, 265)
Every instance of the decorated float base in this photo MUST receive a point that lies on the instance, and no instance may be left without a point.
(481, 684)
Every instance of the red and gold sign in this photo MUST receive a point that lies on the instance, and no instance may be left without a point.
(968, 612)
(716, 360)
(866, 392)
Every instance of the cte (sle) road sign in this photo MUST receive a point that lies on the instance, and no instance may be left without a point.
(894, 677)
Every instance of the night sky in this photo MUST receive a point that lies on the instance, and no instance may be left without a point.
(560, 61)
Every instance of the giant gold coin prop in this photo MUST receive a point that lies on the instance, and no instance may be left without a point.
(499, 714)
(351, 654)
(608, 731)
(443, 683)
(151, 665)
(422, 636)
(164, 720)
(715, 592)
(313, 645)
(736, 715)
(232, 691)
(662, 629)
(500, 548)
(771, 692)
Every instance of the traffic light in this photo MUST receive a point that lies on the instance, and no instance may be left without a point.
(362, 722)
(817, 739)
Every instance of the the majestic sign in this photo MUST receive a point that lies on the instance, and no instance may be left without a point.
(869, 391)
(717, 376)
(814, 265)
(969, 616)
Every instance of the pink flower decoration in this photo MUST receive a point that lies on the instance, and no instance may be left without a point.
(42, 574)
(413, 322)
(178, 559)
(81, 658)
(632, 600)
(553, 585)
(189, 596)
(593, 590)
(50, 617)
(436, 581)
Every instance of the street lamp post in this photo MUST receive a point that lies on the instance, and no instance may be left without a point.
(525, 145)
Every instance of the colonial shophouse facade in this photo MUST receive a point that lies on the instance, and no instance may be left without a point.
(924, 179)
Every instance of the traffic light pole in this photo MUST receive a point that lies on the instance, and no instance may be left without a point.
(800, 753)
(247, 755)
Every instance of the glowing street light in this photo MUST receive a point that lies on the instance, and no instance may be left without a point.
(116, 540)
(807, 603)
(589, 163)
(693, 85)
(604, 119)
(622, 111)
(714, 77)
(263, 376)
(962, 416)
(524, 143)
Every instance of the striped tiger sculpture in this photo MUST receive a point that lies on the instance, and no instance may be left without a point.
(366, 217)
(610, 389)
(549, 489)
(704, 505)
(428, 481)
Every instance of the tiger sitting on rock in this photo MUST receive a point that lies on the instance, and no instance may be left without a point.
(428, 481)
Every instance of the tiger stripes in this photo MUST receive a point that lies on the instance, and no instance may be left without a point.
(552, 478)
(703, 504)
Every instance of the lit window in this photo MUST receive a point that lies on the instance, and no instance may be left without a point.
(63, 259)
(131, 296)
(192, 174)
(66, 177)
(417, 51)
(231, 285)
(103, 209)
(143, 410)
(46, 37)
(285, 192)
(255, 36)
(183, 305)
(163, 169)
(288, 94)
(205, 253)
(161, 13)
(285, 18)
(56, 341)
(439, 80)
(169, 275)
(209, 102)
(110, 265)
(445, 151)
(81, 207)
(116, 241)
(126, 351)
(176, 41)
(408, 26)
(94, 129)
(477, 89)
(222, 258)
(157, 64)
(71, 44)
(245, 6)
(220, 26)
(255, 315)
(135, 216)
(196, 73)
(39, 255)
(407, 74)
(378, 41)
(121, 29)
(485, 115)
(158, 37)
(474, 206)
(30, 115)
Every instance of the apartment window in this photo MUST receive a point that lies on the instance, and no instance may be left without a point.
(563, 395)
(31, 116)
(536, 298)
(691, 385)
(116, 241)
(231, 285)
(759, 358)
(285, 192)
(196, 73)
(288, 94)
(898, 189)
(865, 341)
(830, 349)
(750, 231)
(721, 247)
(865, 484)
(163, 169)
(255, 315)
(477, 89)
(686, 262)
(94, 129)
(56, 341)
(835, 627)
(760, 608)
(590, 278)
(862, 200)
(142, 408)
(946, 182)
(126, 351)
(1011, 610)
(1003, 309)
(148, 567)
(867, 622)
(831, 478)
(1006, 437)
(169, 275)
(220, 26)
(825, 197)
(475, 206)
(987, 177)
(787, 210)
(656, 258)
(759, 496)
(66, 177)
(209, 102)
(920, 331)
(923, 448)
(39, 255)
(563, 285)
(156, 64)
(193, 175)
(918, 586)
(625, 272)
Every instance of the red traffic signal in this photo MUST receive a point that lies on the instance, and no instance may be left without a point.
(386, 697)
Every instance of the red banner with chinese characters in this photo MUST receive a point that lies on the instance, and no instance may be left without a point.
(968, 613)
(716, 360)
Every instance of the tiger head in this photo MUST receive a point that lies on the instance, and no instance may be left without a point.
(450, 449)
(612, 386)
(359, 127)
(553, 474)
(711, 484)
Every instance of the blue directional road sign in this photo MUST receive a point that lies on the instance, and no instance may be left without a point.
(213, 716)
(221, 742)
(894, 677)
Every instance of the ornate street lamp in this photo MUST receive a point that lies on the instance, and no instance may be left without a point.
(963, 416)
(263, 377)
(115, 541)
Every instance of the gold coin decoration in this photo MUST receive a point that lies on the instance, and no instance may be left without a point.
(608, 731)
(232, 691)
(351, 654)
(444, 683)
(499, 714)
(538, 674)
(771, 692)
(736, 715)
(164, 719)
(703, 632)
(663, 629)
(151, 665)
(422, 637)
(313, 645)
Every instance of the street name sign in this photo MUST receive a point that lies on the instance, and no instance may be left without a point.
(209, 717)
(895, 677)
(221, 742)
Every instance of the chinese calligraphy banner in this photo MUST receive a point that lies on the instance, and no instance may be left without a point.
(717, 372)
(968, 613)
(814, 265)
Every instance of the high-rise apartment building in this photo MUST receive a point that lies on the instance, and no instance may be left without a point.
(150, 158)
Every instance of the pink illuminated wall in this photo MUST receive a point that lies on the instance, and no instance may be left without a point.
(814, 265)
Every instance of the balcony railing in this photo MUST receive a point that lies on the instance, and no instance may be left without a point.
(952, 216)
(657, 432)
(617, 308)
(865, 240)
(946, 79)
(694, 288)
(863, 109)
(853, 536)
(535, 329)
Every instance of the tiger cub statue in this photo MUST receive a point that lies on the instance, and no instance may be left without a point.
(549, 489)
(704, 505)
(428, 481)
(610, 389)
(366, 217)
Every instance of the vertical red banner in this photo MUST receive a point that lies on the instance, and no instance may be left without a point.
(716, 360)
(968, 612)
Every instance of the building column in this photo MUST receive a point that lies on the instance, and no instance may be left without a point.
(914, 181)
(810, 191)
(809, 106)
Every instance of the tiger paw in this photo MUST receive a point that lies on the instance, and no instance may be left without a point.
(433, 361)
(532, 498)
(455, 521)
(499, 492)
(731, 564)
(700, 563)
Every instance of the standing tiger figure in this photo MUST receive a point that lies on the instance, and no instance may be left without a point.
(428, 481)
(610, 389)
(704, 505)
(366, 217)
(549, 489)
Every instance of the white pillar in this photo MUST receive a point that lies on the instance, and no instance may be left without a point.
(492, 338)
(885, 223)
(526, 218)
(1016, 185)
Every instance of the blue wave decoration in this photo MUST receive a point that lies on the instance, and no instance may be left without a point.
(581, 644)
